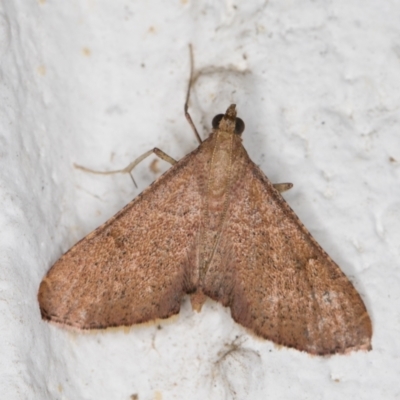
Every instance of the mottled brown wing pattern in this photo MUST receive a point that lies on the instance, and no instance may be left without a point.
(277, 280)
(100, 282)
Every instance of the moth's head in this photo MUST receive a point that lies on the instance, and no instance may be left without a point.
(228, 122)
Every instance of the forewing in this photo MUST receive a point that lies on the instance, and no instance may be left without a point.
(137, 266)
(277, 280)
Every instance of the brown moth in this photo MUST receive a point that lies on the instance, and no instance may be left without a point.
(213, 225)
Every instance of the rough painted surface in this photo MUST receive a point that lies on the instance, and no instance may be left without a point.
(100, 83)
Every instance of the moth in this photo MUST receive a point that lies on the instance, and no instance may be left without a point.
(212, 226)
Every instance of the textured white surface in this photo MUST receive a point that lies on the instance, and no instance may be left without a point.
(99, 83)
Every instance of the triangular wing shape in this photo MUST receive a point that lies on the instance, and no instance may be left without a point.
(277, 280)
(138, 265)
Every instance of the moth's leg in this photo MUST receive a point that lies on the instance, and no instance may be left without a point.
(282, 187)
(187, 115)
(128, 169)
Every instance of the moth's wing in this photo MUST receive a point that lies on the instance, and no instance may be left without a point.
(277, 280)
(137, 266)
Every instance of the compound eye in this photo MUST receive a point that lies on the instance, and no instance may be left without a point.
(216, 120)
(239, 126)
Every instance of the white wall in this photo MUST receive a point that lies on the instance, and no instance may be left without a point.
(98, 83)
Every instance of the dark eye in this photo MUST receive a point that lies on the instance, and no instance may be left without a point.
(239, 126)
(216, 120)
